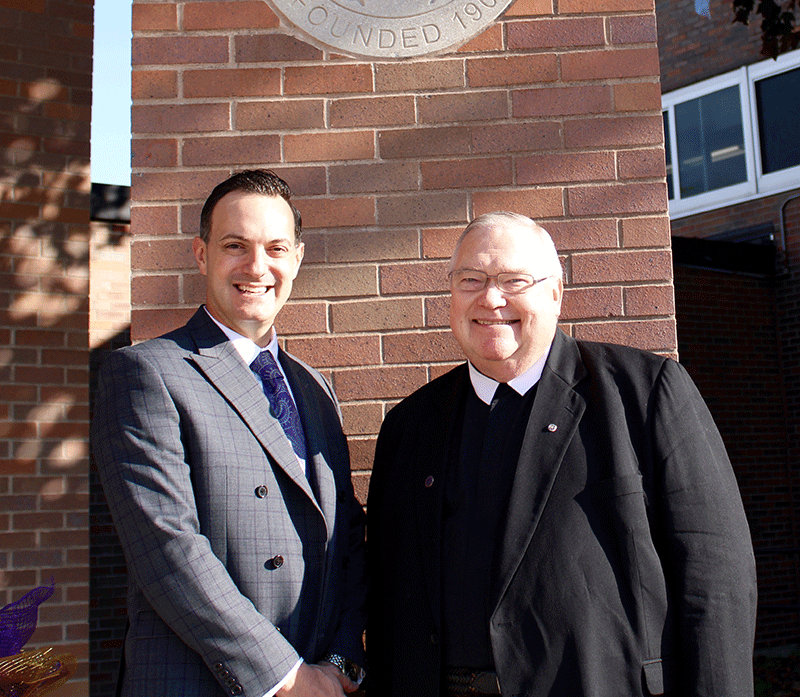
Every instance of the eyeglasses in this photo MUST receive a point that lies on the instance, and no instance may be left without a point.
(470, 281)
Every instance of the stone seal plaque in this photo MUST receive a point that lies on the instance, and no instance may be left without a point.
(389, 29)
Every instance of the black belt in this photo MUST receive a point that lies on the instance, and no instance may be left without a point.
(463, 682)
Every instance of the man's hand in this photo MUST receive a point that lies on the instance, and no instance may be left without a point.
(315, 680)
(347, 684)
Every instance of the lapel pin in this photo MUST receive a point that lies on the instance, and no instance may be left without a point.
(552, 428)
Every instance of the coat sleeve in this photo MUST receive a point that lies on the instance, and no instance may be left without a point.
(705, 540)
(142, 463)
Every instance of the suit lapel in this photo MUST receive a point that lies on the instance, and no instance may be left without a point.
(223, 367)
(305, 389)
(554, 418)
(430, 468)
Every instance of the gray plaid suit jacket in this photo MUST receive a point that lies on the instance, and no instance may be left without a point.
(238, 564)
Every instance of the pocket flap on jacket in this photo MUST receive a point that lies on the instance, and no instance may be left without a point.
(654, 676)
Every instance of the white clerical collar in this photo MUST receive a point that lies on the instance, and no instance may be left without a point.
(485, 387)
(247, 348)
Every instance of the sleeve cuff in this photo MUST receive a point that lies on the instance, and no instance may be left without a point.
(286, 679)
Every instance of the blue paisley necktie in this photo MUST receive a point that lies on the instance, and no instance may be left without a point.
(280, 401)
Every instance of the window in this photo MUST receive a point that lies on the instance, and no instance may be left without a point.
(733, 137)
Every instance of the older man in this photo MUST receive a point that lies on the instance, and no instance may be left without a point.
(556, 517)
(227, 473)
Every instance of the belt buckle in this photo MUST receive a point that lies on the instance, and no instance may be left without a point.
(486, 683)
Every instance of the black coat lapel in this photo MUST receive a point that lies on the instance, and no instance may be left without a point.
(554, 418)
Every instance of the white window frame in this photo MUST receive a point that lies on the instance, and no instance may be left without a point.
(757, 183)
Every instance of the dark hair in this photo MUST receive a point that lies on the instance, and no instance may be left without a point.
(253, 181)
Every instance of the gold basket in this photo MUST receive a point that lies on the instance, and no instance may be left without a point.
(34, 673)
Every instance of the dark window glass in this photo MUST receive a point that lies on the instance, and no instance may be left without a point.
(779, 120)
(710, 142)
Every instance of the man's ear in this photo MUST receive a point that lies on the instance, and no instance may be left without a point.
(558, 294)
(200, 250)
(299, 251)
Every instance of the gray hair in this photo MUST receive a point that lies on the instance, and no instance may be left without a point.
(508, 219)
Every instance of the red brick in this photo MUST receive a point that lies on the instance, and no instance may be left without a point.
(604, 6)
(227, 82)
(562, 101)
(354, 245)
(155, 220)
(154, 290)
(422, 208)
(327, 79)
(490, 39)
(244, 14)
(372, 111)
(377, 315)
(231, 150)
(646, 232)
(529, 8)
(322, 147)
(179, 118)
(464, 107)
(378, 382)
(179, 50)
(592, 303)
(421, 348)
(650, 335)
(649, 300)
(565, 167)
(512, 70)
(421, 277)
(337, 212)
(154, 152)
(438, 243)
(574, 234)
(419, 76)
(617, 199)
(302, 318)
(361, 419)
(453, 174)
(174, 186)
(158, 255)
(637, 96)
(614, 131)
(424, 142)
(382, 176)
(336, 282)
(633, 30)
(283, 114)
(535, 203)
(555, 33)
(593, 65)
(336, 351)
(273, 47)
(154, 17)
(642, 164)
(146, 324)
(516, 137)
(606, 267)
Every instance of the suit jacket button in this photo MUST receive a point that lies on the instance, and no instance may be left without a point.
(277, 561)
(236, 690)
(429, 482)
(218, 667)
(261, 491)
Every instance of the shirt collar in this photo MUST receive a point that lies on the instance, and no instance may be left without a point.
(247, 348)
(485, 387)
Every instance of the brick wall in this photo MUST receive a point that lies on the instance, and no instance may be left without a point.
(694, 47)
(45, 100)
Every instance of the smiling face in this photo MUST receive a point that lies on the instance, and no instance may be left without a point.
(502, 334)
(249, 262)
